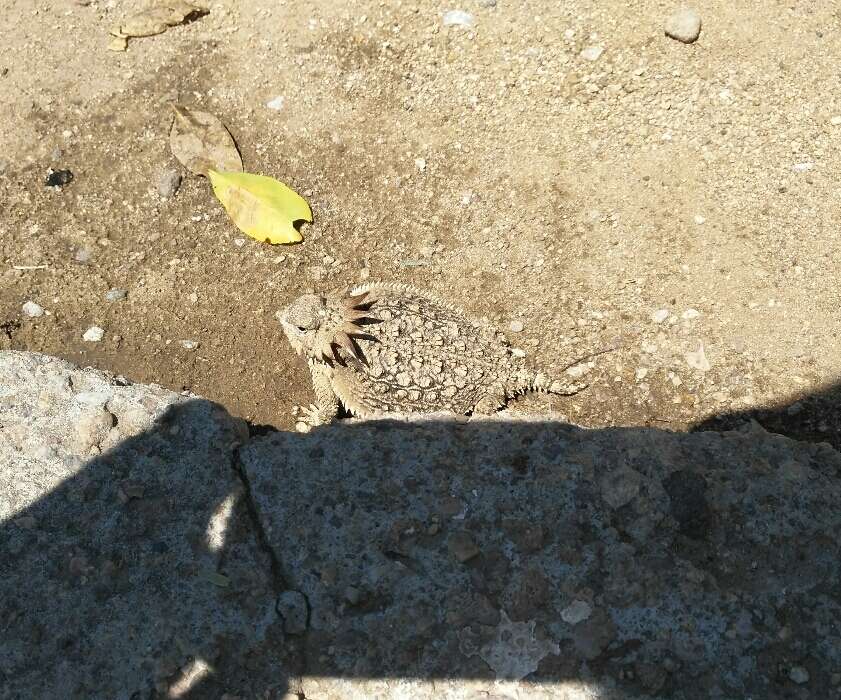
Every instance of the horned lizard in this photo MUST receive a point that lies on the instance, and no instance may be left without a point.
(385, 348)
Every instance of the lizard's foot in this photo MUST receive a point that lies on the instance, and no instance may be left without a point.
(491, 402)
(310, 417)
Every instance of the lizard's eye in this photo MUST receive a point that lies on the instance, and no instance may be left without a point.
(301, 328)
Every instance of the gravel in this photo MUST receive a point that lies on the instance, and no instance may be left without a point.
(94, 334)
(32, 310)
(683, 25)
(116, 294)
(276, 103)
(169, 183)
(83, 256)
(697, 359)
(516, 326)
(592, 53)
(799, 675)
(576, 612)
(292, 607)
(458, 18)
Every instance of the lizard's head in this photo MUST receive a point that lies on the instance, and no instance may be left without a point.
(301, 321)
(321, 327)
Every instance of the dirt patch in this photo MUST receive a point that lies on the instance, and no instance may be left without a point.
(496, 166)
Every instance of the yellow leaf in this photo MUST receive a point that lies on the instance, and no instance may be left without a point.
(260, 206)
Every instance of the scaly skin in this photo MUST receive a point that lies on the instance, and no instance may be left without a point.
(385, 348)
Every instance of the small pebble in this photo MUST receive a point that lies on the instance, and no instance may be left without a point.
(458, 18)
(487, 3)
(698, 359)
(94, 334)
(189, 344)
(576, 612)
(33, 310)
(592, 53)
(83, 256)
(620, 486)
(58, 178)
(518, 352)
(802, 167)
(660, 315)
(277, 103)
(239, 242)
(115, 294)
(699, 219)
(462, 546)
(420, 164)
(799, 675)
(683, 25)
(835, 121)
(292, 607)
(169, 183)
(516, 326)
(689, 314)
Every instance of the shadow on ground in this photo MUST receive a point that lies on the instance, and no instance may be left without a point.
(815, 417)
(619, 563)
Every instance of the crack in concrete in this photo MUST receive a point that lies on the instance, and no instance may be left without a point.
(279, 579)
(251, 508)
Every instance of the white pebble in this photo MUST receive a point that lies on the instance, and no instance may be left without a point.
(277, 103)
(516, 326)
(115, 294)
(799, 675)
(683, 25)
(592, 53)
(189, 344)
(698, 359)
(239, 242)
(835, 121)
(577, 611)
(458, 18)
(94, 334)
(660, 315)
(32, 310)
(579, 370)
(699, 219)
(518, 352)
(420, 164)
(802, 167)
(689, 314)
(642, 373)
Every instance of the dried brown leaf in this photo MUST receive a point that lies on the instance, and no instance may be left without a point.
(158, 18)
(201, 142)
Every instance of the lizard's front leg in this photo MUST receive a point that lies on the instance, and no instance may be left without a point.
(326, 405)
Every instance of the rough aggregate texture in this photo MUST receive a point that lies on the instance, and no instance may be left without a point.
(650, 563)
(126, 561)
(144, 553)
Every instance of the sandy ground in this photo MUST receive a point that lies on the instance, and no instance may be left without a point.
(496, 166)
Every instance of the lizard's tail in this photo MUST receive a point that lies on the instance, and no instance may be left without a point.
(525, 382)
